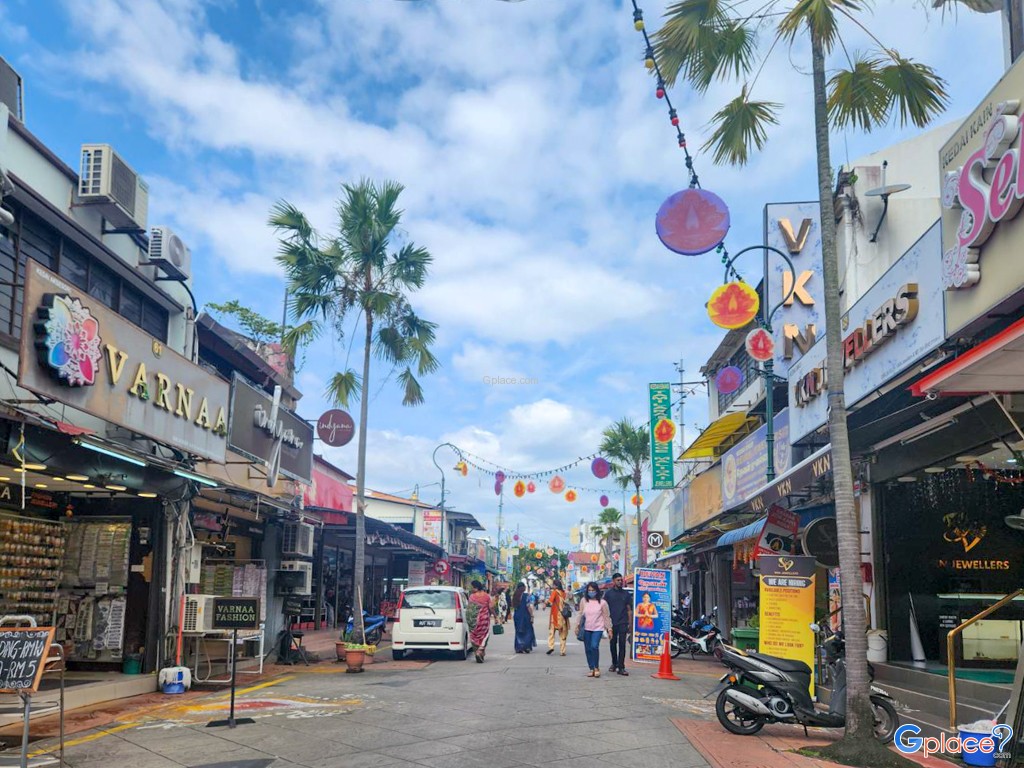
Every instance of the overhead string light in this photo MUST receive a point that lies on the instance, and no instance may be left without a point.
(661, 92)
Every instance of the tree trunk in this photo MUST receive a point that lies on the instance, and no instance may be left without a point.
(359, 567)
(641, 545)
(859, 738)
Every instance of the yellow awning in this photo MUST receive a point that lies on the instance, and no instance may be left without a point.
(720, 436)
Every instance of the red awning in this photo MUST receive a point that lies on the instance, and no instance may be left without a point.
(995, 365)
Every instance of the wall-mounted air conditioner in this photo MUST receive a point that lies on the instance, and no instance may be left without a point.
(108, 181)
(297, 540)
(305, 587)
(168, 252)
(198, 613)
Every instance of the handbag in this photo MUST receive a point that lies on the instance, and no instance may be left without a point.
(498, 629)
(566, 609)
(579, 631)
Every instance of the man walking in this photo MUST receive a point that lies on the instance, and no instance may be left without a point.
(558, 624)
(620, 607)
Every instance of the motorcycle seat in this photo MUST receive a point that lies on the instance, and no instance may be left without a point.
(786, 665)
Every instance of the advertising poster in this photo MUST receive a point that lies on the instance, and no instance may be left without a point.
(431, 525)
(417, 573)
(779, 534)
(745, 467)
(652, 612)
(787, 608)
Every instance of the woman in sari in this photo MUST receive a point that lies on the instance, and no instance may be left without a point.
(478, 619)
(526, 640)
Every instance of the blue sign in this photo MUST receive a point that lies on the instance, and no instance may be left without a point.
(745, 467)
(652, 613)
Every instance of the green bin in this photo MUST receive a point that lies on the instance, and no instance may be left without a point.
(745, 638)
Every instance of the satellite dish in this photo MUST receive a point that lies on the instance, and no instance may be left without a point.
(883, 192)
(1016, 522)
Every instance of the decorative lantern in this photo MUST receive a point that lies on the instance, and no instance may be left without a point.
(728, 380)
(570, 495)
(539, 555)
(499, 476)
(636, 500)
(530, 487)
(760, 345)
(533, 545)
(603, 501)
(519, 489)
(692, 221)
(497, 488)
(515, 537)
(733, 305)
(600, 467)
(554, 561)
(593, 558)
(556, 484)
(462, 468)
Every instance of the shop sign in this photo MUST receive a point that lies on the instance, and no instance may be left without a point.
(329, 490)
(803, 474)
(982, 193)
(896, 323)
(652, 612)
(431, 525)
(264, 431)
(22, 652)
(236, 613)
(335, 427)
(662, 432)
(787, 608)
(417, 573)
(704, 499)
(78, 352)
(779, 533)
(745, 466)
(795, 229)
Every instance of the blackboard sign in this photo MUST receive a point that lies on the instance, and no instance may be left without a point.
(236, 613)
(948, 621)
(23, 651)
(292, 606)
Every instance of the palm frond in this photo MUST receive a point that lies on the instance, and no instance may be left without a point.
(389, 345)
(820, 17)
(700, 42)
(286, 217)
(627, 448)
(344, 388)
(412, 392)
(739, 127)
(410, 265)
(916, 90)
(857, 97)
(299, 336)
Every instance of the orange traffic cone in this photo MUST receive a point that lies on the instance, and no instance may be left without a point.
(665, 670)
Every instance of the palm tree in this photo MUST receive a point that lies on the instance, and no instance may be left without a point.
(356, 272)
(707, 40)
(628, 449)
(610, 520)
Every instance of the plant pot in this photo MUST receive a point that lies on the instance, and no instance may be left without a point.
(339, 648)
(355, 660)
(368, 659)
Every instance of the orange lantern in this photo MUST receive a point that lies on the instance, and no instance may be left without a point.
(462, 468)
(532, 545)
(637, 500)
(519, 489)
(733, 305)
(570, 495)
(556, 484)
(593, 558)
(539, 555)
(665, 431)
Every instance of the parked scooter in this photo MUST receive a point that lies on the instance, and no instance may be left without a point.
(374, 627)
(761, 689)
(701, 636)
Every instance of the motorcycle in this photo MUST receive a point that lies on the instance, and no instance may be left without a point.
(761, 689)
(374, 627)
(701, 636)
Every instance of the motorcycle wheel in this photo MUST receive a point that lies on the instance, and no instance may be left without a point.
(717, 650)
(373, 636)
(886, 719)
(735, 719)
(677, 649)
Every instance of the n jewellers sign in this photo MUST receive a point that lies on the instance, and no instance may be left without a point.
(78, 352)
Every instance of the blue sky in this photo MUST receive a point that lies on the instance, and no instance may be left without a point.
(534, 155)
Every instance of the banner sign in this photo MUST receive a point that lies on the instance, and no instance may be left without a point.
(417, 573)
(745, 466)
(662, 460)
(652, 612)
(813, 468)
(787, 608)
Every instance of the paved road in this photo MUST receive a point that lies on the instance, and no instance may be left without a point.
(513, 710)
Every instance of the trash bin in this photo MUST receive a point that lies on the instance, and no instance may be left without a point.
(745, 638)
(978, 730)
(878, 645)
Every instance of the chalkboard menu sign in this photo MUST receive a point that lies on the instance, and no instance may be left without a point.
(292, 606)
(948, 621)
(23, 651)
(236, 613)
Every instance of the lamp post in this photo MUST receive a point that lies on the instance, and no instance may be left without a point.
(768, 372)
(434, 459)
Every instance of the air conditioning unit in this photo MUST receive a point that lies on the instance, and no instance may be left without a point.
(198, 613)
(297, 540)
(108, 181)
(168, 252)
(306, 569)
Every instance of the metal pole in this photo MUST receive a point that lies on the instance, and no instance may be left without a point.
(234, 650)
(434, 459)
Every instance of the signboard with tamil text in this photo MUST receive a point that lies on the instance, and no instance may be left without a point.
(662, 436)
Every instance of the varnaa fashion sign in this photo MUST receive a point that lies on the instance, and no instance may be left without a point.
(896, 323)
(78, 352)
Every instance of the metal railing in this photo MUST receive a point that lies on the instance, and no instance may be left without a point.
(951, 648)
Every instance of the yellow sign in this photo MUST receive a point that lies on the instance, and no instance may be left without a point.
(787, 608)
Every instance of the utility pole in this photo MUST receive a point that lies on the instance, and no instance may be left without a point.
(501, 502)
(681, 368)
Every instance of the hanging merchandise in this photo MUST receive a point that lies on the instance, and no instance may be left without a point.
(600, 467)
(30, 567)
(733, 305)
(760, 345)
(636, 500)
(556, 484)
(519, 489)
(603, 501)
(728, 380)
(531, 487)
(692, 222)
(570, 495)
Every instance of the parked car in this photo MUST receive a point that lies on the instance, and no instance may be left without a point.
(431, 618)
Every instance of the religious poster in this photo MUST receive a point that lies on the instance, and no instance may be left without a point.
(652, 613)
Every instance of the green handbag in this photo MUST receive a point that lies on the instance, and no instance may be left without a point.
(498, 629)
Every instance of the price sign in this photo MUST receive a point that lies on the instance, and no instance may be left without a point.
(23, 651)
(236, 613)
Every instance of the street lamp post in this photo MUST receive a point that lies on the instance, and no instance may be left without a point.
(434, 459)
(768, 372)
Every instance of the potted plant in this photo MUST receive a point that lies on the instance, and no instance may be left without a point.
(355, 656)
(342, 643)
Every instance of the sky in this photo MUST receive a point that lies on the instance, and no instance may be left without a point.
(534, 155)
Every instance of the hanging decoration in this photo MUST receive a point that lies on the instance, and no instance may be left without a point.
(600, 467)
(733, 305)
(554, 561)
(462, 468)
(539, 555)
(603, 501)
(556, 484)
(531, 487)
(692, 222)
(497, 488)
(499, 476)
(636, 500)
(533, 545)
(728, 380)
(515, 537)
(519, 489)
(550, 551)
(593, 558)
(529, 567)
(665, 431)
(760, 345)
(570, 496)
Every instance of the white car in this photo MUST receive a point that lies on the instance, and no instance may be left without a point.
(431, 619)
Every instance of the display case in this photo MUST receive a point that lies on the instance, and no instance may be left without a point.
(31, 553)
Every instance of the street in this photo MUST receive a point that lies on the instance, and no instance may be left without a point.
(513, 710)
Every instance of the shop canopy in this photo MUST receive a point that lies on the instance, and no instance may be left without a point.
(750, 531)
(386, 537)
(720, 436)
(996, 365)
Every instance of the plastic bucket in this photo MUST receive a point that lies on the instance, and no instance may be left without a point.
(175, 685)
(131, 666)
(978, 757)
(878, 645)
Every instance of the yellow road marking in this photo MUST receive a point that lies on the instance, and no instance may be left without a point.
(86, 739)
(259, 686)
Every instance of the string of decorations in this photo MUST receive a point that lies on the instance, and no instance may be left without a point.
(997, 475)
(651, 62)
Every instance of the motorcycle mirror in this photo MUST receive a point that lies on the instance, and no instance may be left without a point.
(815, 628)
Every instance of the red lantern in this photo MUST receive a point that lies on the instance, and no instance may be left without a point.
(530, 487)
(760, 345)
(556, 484)
(600, 467)
(519, 489)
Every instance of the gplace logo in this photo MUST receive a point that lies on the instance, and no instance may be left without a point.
(909, 741)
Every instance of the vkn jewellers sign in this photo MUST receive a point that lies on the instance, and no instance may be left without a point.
(78, 352)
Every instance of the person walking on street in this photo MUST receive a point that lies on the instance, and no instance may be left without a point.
(478, 620)
(526, 639)
(620, 608)
(593, 622)
(558, 621)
